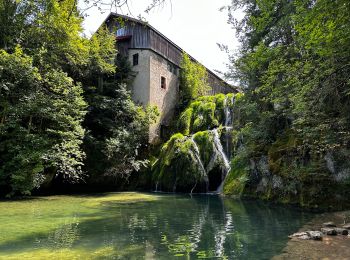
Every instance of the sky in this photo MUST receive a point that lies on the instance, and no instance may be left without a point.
(194, 25)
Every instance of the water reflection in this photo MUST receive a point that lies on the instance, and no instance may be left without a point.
(174, 226)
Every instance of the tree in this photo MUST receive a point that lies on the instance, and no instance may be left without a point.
(117, 128)
(40, 131)
(294, 69)
(193, 80)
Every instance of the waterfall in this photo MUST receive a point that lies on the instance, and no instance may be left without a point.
(197, 156)
(228, 114)
(224, 158)
(220, 149)
(225, 155)
(219, 160)
(199, 161)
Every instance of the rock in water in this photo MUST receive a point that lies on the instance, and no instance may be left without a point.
(308, 235)
(329, 231)
(329, 224)
(342, 231)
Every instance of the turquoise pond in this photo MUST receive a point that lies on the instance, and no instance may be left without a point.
(144, 226)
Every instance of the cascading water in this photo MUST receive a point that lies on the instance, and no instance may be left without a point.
(224, 158)
(197, 155)
(215, 164)
(219, 150)
(199, 161)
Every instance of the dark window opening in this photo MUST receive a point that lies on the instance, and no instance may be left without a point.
(163, 82)
(135, 59)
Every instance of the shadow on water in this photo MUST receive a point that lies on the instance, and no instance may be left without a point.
(200, 226)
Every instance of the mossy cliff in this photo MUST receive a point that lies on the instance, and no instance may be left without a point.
(267, 160)
(193, 159)
(272, 162)
(287, 175)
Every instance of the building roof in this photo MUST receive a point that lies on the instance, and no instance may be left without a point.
(128, 18)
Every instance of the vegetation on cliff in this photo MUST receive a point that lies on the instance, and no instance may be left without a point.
(193, 80)
(293, 128)
(192, 160)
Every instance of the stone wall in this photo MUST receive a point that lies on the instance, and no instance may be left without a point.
(147, 89)
(165, 99)
(140, 89)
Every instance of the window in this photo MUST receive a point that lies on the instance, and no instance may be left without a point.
(135, 59)
(163, 82)
(121, 31)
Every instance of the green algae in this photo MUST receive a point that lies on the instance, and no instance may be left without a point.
(56, 219)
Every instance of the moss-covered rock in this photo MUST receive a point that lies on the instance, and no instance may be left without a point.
(189, 164)
(291, 176)
(205, 113)
(178, 167)
(191, 160)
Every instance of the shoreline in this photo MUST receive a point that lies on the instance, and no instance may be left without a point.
(330, 247)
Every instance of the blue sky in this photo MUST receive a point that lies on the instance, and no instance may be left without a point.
(195, 25)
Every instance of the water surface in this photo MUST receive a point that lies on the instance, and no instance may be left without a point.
(144, 226)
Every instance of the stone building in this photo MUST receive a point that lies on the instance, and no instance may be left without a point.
(156, 63)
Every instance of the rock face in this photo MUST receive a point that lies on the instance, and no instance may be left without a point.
(282, 174)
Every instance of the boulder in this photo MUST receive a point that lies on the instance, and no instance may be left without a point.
(329, 231)
(342, 231)
(308, 235)
(347, 226)
(329, 224)
(300, 235)
(315, 235)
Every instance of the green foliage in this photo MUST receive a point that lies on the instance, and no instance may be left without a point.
(238, 176)
(190, 158)
(193, 80)
(204, 140)
(40, 127)
(177, 167)
(118, 132)
(46, 66)
(294, 67)
(204, 113)
(102, 53)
